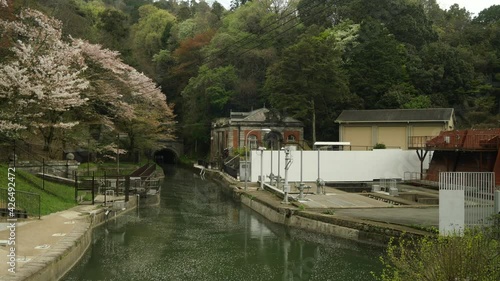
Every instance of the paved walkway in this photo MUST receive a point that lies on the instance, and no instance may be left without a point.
(35, 238)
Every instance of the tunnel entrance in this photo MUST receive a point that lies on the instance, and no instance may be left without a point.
(166, 156)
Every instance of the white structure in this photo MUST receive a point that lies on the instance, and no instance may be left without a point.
(339, 166)
(466, 199)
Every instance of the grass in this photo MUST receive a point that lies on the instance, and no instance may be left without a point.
(54, 197)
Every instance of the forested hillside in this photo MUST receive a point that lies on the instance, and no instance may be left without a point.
(310, 59)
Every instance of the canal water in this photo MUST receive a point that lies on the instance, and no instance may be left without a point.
(197, 233)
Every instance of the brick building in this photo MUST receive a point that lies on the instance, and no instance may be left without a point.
(242, 127)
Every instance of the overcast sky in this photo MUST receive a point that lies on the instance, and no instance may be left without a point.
(473, 6)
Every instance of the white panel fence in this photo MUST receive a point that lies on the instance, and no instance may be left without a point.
(466, 199)
(339, 166)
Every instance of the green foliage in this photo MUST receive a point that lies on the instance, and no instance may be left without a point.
(241, 151)
(329, 212)
(148, 32)
(377, 63)
(308, 80)
(473, 256)
(418, 102)
(379, 146)
(490, 15)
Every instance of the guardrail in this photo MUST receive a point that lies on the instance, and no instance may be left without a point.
(428, 179)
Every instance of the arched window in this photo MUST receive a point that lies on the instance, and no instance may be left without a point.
(273, 140)
(252, 142)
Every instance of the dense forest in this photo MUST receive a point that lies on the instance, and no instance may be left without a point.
(309, 59)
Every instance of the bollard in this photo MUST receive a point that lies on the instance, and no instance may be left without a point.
(320, 184)
(301, 188)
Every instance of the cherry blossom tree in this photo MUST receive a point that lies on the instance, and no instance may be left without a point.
(50, 85)
(42, 80)
(135, 105)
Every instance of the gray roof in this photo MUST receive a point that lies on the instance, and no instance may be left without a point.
(396, 115)
(261, 115)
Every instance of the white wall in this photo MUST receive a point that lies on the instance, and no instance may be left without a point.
(451, 212)
(338, 165)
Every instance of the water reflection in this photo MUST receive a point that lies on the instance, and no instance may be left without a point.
(199, 234)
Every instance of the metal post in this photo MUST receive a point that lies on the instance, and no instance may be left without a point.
(261, 168)
(288, 162)
(318, 188)
(93, 188)
(137, 197)
(118, 153)
(43, 173)
(127, 187)
(39, 207)
(271, 175)
(105, 188)
(278, 179)
(88, 156)
(76, 186)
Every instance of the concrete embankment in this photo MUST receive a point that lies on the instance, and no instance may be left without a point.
(324, 221)
(74, 226)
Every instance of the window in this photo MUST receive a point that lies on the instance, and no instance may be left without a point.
(290, 138)
(252, 142)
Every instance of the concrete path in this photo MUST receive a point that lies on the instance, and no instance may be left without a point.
(358, 206)
(422, 217)
(36, 238)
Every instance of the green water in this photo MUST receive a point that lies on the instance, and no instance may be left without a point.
(199, 234)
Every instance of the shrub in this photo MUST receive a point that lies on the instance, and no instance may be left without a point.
(472, 256)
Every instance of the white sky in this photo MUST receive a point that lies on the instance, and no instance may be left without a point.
(473, 6)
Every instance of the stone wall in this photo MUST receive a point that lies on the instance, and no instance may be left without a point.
(60, 168)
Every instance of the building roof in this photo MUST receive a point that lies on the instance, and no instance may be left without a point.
(262, 115)
(396, 115)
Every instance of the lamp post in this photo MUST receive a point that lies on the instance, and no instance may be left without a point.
(288, 163)
(118, 136)
(267, 130)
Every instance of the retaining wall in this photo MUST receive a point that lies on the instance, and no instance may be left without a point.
(60, 259)
(343, 227)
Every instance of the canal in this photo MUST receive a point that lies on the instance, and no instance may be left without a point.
(197, 233)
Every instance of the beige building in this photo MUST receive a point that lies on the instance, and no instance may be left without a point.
(395, 128)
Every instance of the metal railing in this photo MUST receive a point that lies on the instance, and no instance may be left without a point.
(419, 141)
(428, 179)
(478, 189)
(387, 183)
(27, 204)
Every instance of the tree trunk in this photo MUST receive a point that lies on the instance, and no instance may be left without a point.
(48, 137)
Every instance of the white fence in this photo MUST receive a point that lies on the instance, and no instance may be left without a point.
(466, 199)
(339, 166)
